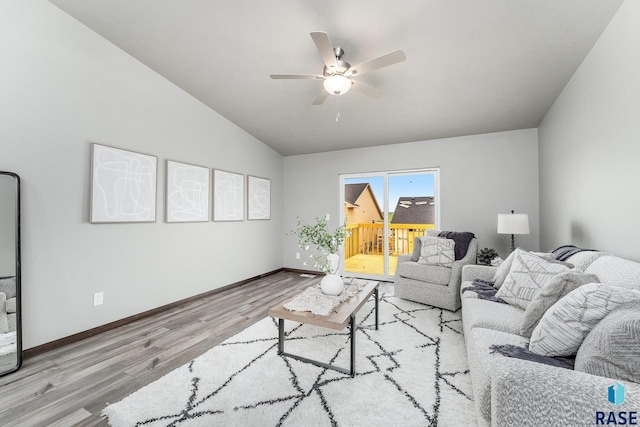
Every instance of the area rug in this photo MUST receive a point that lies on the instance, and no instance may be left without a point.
(412, 372)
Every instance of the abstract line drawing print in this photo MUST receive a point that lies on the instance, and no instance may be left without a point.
(123, 185)
(187, 192)
(228, 193)
(259, 198)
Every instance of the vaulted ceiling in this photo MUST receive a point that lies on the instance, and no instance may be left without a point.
(472, 66)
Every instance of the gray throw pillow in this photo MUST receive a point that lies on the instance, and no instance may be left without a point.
(565, 325)
(559, 286)
(612, 348)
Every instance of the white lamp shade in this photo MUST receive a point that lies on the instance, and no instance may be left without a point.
(513, 223)
(337, 84)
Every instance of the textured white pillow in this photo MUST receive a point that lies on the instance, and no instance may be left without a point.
(528, 274)
(565, 325)
(437, 251)
(503, 270)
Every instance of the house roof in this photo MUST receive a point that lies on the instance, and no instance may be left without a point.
(472, 67)
(353, 191)
(414, 210)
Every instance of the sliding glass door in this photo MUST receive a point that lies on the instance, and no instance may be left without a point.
(385, 211)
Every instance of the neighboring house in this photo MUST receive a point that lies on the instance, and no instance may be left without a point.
(360, 204)
(414, 210)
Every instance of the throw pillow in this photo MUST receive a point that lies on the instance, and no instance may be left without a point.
(437, 251)
(461, 239)
(528, 274)
(565, 325)
(503, 270)
(559, 286)
(612, 348)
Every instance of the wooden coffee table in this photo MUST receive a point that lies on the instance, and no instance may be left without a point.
(343, 314)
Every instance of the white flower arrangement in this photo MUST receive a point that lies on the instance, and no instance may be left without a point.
(318, 238)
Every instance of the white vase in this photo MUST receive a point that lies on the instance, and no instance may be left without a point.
(331, 284)
(334, 263)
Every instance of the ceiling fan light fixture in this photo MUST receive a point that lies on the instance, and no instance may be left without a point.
(337, 84)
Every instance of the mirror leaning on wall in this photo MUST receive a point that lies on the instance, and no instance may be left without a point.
(10, 324)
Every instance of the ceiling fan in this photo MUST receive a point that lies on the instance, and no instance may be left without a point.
(338, 75)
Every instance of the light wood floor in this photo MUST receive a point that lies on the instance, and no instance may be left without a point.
(70, 386)
(369, 264)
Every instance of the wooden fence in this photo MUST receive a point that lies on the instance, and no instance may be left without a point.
(368, 238)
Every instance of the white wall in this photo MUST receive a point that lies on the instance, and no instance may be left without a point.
(61, 87)
(590, 147)
(480, 175)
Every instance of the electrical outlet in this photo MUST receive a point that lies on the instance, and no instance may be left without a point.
(297, 255)
(327, 217)
(98, 298)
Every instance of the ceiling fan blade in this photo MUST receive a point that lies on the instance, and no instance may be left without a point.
(321, 39)
(366, 89)
(320, 98)
(379, 62)
(295, 76)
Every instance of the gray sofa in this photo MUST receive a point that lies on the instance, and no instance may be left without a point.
(510, 391)
(431, 284)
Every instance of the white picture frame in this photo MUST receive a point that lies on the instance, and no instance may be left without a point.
(123, 185)
(228, 196)
(258, 198)
(187, 192)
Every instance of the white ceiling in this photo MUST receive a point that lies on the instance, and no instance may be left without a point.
(472, 66)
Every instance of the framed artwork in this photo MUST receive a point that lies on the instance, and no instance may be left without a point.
(123, 185)
(228, 196)
(258, 198)
(187, 189)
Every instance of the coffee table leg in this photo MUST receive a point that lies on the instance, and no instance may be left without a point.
(353, 345)
(376, 297)
(280, 336)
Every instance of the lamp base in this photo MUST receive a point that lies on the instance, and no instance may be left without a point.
(513, 243)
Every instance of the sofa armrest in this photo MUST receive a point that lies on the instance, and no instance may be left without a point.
(532, 394)
(483, 272)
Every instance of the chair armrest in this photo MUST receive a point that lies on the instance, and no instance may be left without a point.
(533, 394)
(404, 258)
(469, 259)
(483, 272)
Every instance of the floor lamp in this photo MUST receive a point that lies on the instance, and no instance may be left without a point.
(513, 223)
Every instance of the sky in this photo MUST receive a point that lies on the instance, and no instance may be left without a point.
(399, 186)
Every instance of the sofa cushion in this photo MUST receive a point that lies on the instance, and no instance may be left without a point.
(565, 325)
(479, 313)
(436, 251)
(527, 275)
(582, 260)
(559, 286)
(431, 274)
(612, 348)
(615, 271)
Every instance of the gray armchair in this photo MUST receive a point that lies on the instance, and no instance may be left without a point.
(432, 284)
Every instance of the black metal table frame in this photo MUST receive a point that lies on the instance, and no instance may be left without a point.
(352, 338)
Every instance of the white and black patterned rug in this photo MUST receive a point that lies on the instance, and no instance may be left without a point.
(412, 372)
